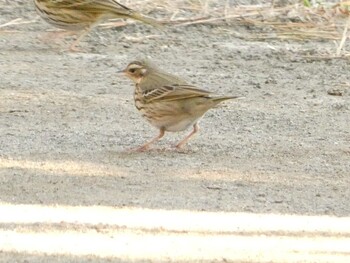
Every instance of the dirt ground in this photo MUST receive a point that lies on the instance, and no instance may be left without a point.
(67, 118)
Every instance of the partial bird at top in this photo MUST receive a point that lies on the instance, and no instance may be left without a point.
(83, 15)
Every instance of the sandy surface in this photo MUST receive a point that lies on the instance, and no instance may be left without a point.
(66, 120)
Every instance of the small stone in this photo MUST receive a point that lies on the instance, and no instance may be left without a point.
(335, 92)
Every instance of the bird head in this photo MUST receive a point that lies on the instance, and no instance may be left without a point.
(136, 70)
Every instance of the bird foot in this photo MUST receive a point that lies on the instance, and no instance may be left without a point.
(140, 149)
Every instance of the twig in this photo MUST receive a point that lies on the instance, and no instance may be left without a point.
(112, 24)
(184, 21)
(344, 37)
(17, 21)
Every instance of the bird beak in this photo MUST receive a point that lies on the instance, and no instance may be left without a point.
(121, 71)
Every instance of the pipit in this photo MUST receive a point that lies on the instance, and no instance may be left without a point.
(83, 15)
(167, 101)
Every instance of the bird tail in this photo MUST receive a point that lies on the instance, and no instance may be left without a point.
(121, 11)
(217, 100)
(146, 20)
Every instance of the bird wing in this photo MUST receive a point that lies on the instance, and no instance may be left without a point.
(173, 92)
(86, 4)
(70, 4)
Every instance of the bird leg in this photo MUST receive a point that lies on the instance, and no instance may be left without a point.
(184, 141)
(73, 47)
(155, 139)
(50, 37)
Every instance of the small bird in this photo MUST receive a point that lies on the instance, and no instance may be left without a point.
(167, 101)
(83, 15)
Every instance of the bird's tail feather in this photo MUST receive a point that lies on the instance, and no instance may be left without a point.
(223, 98)
(146, 20)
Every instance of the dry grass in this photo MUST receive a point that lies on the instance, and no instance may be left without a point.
(327, 21)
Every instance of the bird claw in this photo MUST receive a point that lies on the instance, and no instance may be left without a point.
(143, 148)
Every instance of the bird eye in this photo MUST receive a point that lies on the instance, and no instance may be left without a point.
(132, 70)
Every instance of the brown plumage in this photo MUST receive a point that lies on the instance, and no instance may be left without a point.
(82, 15)
(168, 102)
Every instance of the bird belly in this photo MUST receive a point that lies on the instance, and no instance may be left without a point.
(169, 117)
(181, 125)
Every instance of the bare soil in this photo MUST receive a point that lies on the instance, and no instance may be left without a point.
(67, 119)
